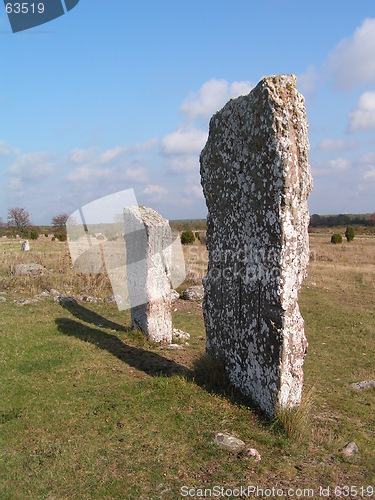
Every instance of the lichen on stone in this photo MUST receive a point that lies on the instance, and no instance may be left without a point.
(256, 180)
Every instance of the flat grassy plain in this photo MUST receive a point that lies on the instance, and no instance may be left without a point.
(90, 409)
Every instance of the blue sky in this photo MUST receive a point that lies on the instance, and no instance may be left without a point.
(118, 94)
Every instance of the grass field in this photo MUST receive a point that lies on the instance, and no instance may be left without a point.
(90, 409)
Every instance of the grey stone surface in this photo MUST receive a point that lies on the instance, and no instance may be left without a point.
(366, 384)
(3, 299)
(256, 180)
(25, 302)
(349, 449)
(25, 269)
(180, 335)
(229, 442)
(193, 293)
(252, 452)
(148, 239)
(65, 300)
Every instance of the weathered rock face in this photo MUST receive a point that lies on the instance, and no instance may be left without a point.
(256, 180)
(148, 240)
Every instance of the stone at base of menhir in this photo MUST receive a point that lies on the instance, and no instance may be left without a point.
(256, 180)
(154, 319)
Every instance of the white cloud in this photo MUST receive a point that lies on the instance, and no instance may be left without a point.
(111, 154)
(155, 192)
(363, 117)
(78, 155)
(184, 141)
(7, 149)
(330, 144)
(211, 97)
(367, 159)
(32, 165)
(307, 81)
(133, 173)
(352, 61)
(196, 191)
(90, 173)
(335, 166)
(155, 189)
(119, 151)
(240, 88)
(184, 163)
(143, 146)
(370, 175)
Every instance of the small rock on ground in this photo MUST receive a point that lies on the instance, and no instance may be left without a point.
(3, 299)
(229, 442)
(175, 346)
(179, 334)
(350, 449)
(252, 452)
(113, 298)
(25, 269)
(65, 300)
(25, 302)
(174, 296)
(88, 298)
(194, 293)
(366, 384)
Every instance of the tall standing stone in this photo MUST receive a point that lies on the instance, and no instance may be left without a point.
(256, 180)
(148, 239)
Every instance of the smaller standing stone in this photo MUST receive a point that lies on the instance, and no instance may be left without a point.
(148, 239)
(25, 247)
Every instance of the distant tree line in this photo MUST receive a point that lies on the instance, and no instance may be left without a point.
(188, 225)
(19, 224)
(342, 220)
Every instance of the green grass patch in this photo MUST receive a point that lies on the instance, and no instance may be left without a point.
(90, 409)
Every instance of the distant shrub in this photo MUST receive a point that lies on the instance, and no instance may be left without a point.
(197, 235)
(34, 235)
(53, 238)
(336, 238)
(187, 237)
(46, 235)
(349, 234)
(203, 239)
(60, 236)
